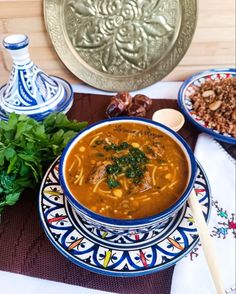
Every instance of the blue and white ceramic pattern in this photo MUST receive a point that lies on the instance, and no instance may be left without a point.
(186, 106)
(29, 90)
(107, 253)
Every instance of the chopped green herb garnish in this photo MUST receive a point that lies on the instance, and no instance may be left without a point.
(130, 173)
(113, 169)
(132, 164)
(110, 147)
(112, 183)
(138, 155)
(124, 145)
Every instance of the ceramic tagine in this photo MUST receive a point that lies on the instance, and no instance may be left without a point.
(29, 90)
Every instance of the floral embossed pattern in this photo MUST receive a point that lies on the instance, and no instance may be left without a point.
(122, 37)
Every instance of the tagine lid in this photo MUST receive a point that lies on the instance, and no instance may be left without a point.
(29, 90)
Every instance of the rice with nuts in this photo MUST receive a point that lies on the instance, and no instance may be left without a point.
(215, 103)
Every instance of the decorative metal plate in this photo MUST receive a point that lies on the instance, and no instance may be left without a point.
(121, 45)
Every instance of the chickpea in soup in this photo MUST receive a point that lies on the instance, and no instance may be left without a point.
(127, 171)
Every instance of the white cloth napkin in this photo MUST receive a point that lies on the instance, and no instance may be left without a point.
(192, 276)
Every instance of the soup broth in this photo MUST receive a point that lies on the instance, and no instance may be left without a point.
(127, 171)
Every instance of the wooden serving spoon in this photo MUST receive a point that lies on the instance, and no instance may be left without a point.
(169, 117)
(175, 120)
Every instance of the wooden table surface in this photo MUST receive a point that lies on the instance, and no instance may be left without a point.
(213, 44)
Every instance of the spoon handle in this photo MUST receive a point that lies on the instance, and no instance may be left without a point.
(206, 241)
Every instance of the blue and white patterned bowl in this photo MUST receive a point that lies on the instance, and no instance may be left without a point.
(184, 101)
(118, 226)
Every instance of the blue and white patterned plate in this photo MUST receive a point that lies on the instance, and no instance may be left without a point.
(186, 106)
(110, 254)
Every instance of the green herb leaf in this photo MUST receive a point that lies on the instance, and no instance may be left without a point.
(11, 199)
(12, 164)
(113, 169)
(60, 121)
(112, 183)
(2, 156)
(9, 153)
(27, 147)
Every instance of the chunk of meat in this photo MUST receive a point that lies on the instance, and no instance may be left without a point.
(98, 171)
(158, 150)
(155, 151)
(145, 185)
(110, 139)
(97, 174)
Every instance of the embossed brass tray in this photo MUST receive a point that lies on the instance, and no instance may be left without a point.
(120, 45)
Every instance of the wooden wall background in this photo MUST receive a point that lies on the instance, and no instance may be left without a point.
(213, 44)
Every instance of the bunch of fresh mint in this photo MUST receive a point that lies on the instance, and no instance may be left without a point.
(27, 147)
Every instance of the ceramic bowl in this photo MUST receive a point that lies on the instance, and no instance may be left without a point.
(119, 226)
(186, 106)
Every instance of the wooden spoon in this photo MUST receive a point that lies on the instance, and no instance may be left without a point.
(169, 117)
(206, 241)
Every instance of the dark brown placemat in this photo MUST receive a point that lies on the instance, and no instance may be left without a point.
(25, 248)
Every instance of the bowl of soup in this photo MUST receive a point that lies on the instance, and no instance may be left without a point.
(127, 174)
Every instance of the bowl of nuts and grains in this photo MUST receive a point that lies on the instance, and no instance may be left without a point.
(208, 100)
